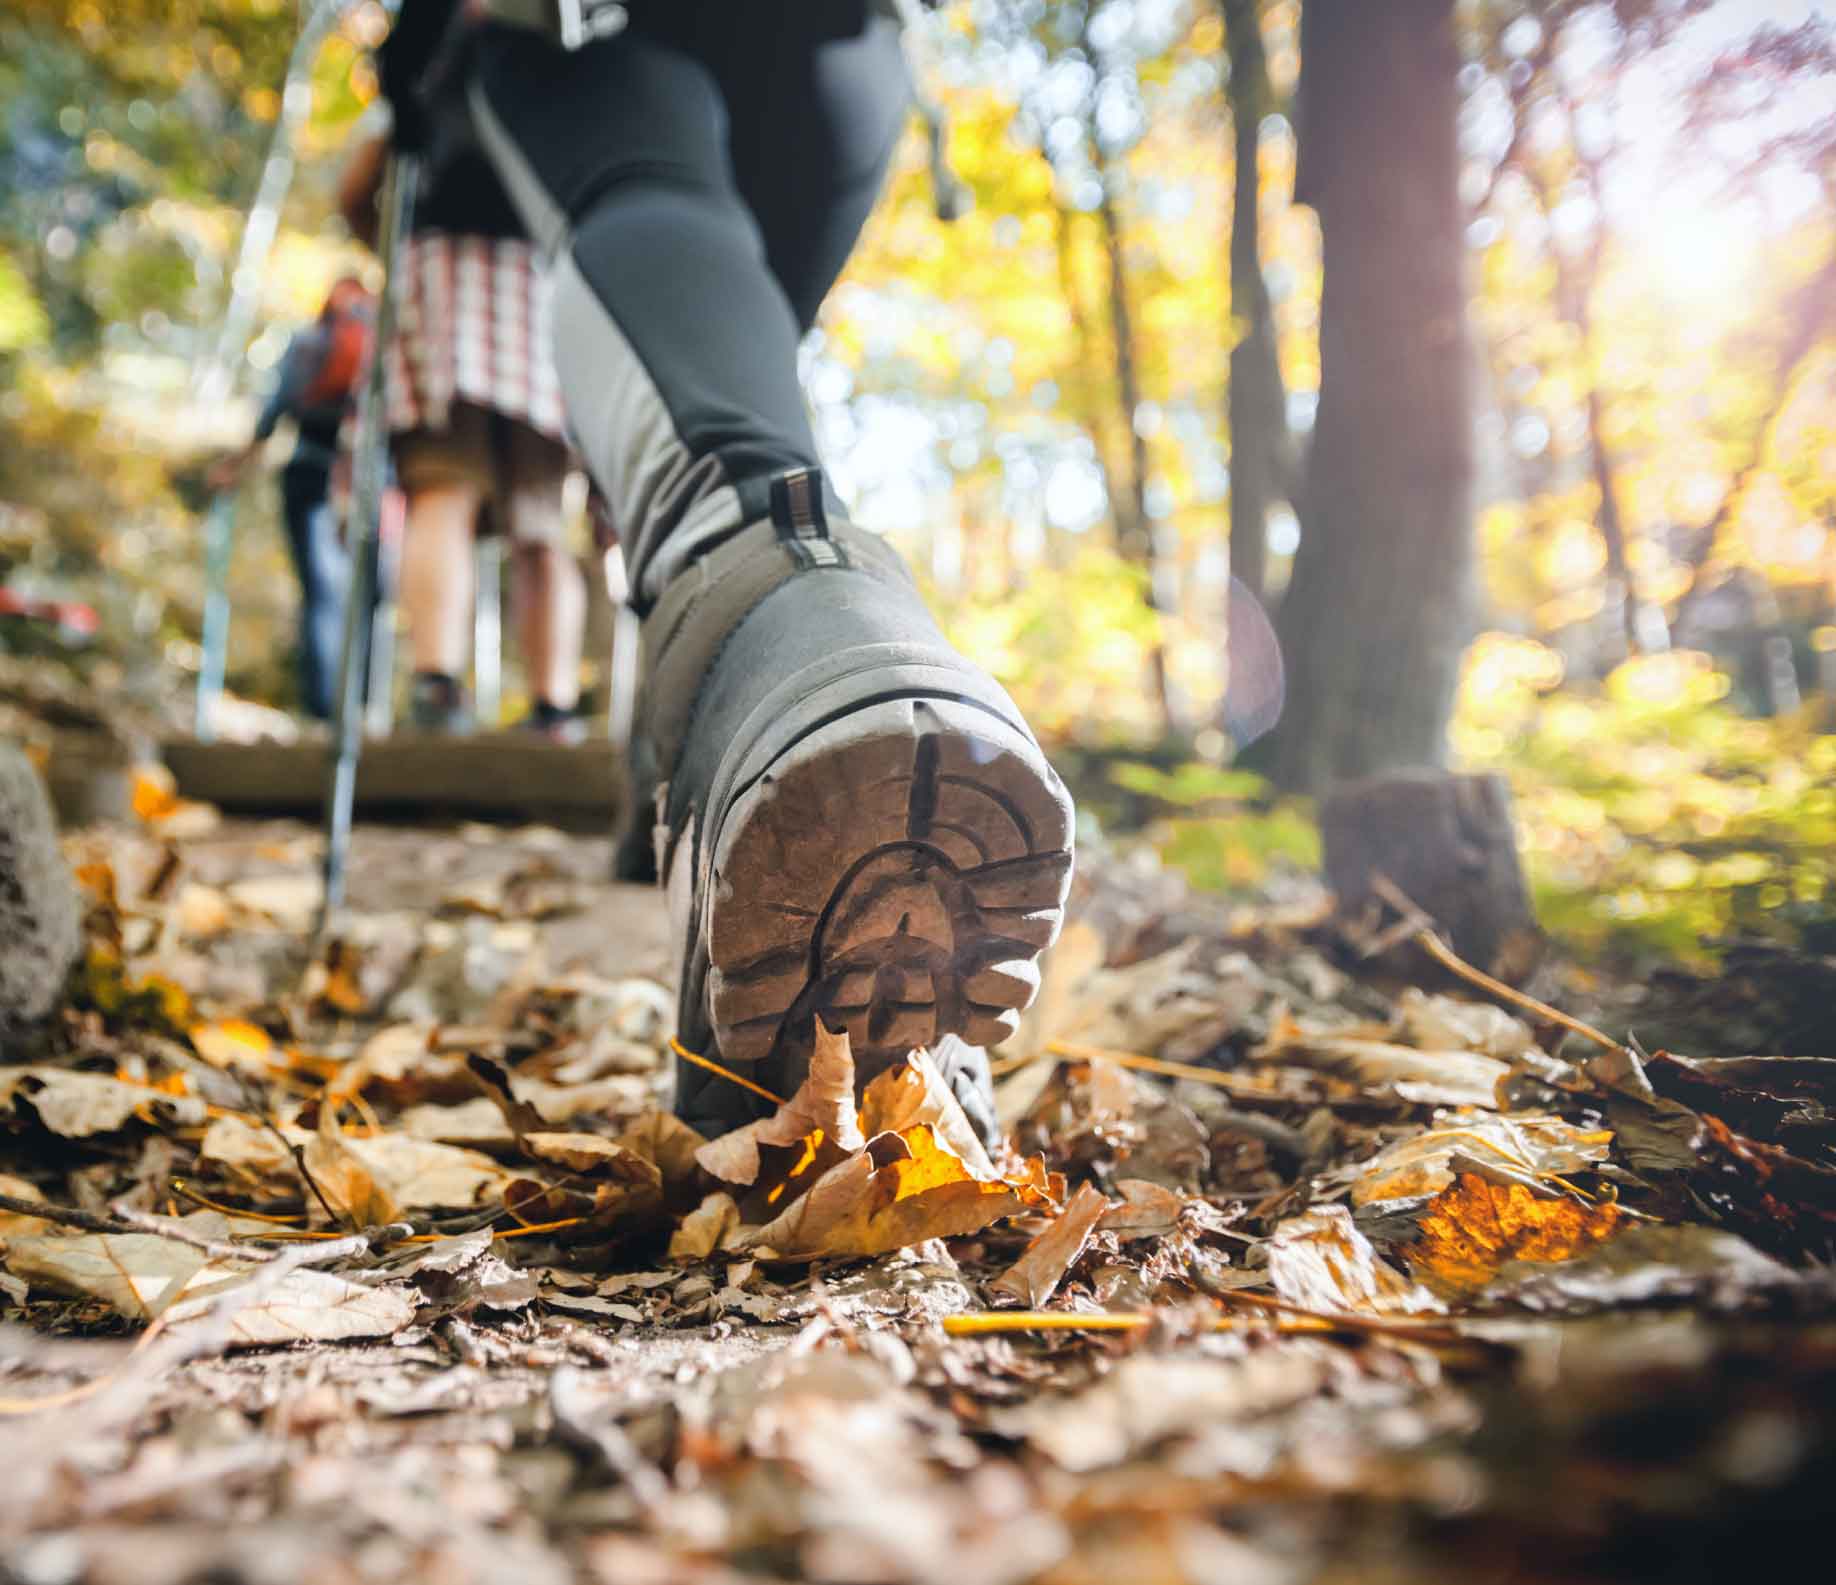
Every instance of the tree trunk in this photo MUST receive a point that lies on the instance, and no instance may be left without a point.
(1448, 845)
(1379, 609)
(1135, 530)
(1257, 402)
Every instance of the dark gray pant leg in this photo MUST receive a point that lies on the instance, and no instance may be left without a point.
(676, 338)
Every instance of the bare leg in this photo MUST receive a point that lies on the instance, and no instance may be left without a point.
(548, 598)
(437, 577)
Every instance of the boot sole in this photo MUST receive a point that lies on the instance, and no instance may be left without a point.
(897, 872)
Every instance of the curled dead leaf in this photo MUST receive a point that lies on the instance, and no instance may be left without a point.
(822, 1107)
(1320, 1261)
(1034, 1277)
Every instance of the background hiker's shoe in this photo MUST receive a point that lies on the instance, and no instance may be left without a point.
(861, 827)
(554, 723)
(436, 703)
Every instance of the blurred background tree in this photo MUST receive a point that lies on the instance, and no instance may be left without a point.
(1519, 413)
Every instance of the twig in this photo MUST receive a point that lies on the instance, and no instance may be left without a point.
(1445, 955)
(259, 1108)
(744, 1083)
(66, 1216)
(1161, 1065)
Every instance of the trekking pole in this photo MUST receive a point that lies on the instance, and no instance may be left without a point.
(369, 465)
(219, 524)
(216, 374)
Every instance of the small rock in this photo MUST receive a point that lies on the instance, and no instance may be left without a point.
(40, 918)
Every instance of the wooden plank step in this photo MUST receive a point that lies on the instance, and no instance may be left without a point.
(506, 775)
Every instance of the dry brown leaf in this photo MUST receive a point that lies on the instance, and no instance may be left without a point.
(137, 1274)
(1035, 1276)
(1427, 1078)
(1520, 1148)
(290, 901)
(1320, 1261)
(15, 1224)
(823, 1107)
(1474, 1226)
(201, 911)
(1148, 1210)
(663, 1138)
(704, 1228)
(304, 1306)
(343, 1179)
(78, 1105)
(819, 1188)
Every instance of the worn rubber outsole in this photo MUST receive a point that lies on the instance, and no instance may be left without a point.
(897, 872)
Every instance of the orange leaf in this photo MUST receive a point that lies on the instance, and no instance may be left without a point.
(1473, 1226)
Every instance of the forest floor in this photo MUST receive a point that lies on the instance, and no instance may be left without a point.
(382, 1262)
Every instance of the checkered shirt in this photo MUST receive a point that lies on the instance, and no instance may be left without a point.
(472, 324)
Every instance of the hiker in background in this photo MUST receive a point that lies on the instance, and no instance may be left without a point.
(317, 379)
(477, 434)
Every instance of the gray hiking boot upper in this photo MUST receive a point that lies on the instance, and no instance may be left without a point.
(856, 823)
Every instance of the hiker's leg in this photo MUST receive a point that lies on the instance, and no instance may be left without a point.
(323, 571)
(815, 111)
(446, 476)
(859, 825)
(547, 592)
(676, 342)
(436, 589)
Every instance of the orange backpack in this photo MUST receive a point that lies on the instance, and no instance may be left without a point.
(347, 344)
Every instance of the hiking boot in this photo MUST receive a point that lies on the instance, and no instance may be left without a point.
(436, 703)
(858, 825)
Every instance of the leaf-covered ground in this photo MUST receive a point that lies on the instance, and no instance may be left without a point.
(383, 1262)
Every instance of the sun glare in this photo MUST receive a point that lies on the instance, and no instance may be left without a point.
(1697, 251)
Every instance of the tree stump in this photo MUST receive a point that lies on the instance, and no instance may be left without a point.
(1445, 842)
(40, 918)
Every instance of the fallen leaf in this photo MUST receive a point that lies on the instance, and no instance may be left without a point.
(1320, 1261)
(201, 911)
(347, 1184)
(1646, 1263)
(234, 1043)
(703, 1229)
(1523, 1148)
(79, 1105)
(304, 1306)
(155, 791)
(901, 1190)
(1148, 1210)
(916, 1092)
(137, 1274)
(1425, 1078)
(1449, 1023)
(1035, 1276)
(290, 901)
(1474, 1226)
(823, 1108)
(15, 1224)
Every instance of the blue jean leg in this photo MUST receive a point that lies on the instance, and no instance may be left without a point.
(323, 568)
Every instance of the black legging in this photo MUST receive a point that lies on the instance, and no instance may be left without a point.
(701, 179)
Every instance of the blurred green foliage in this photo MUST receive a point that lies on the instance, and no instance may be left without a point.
(1654, 817)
